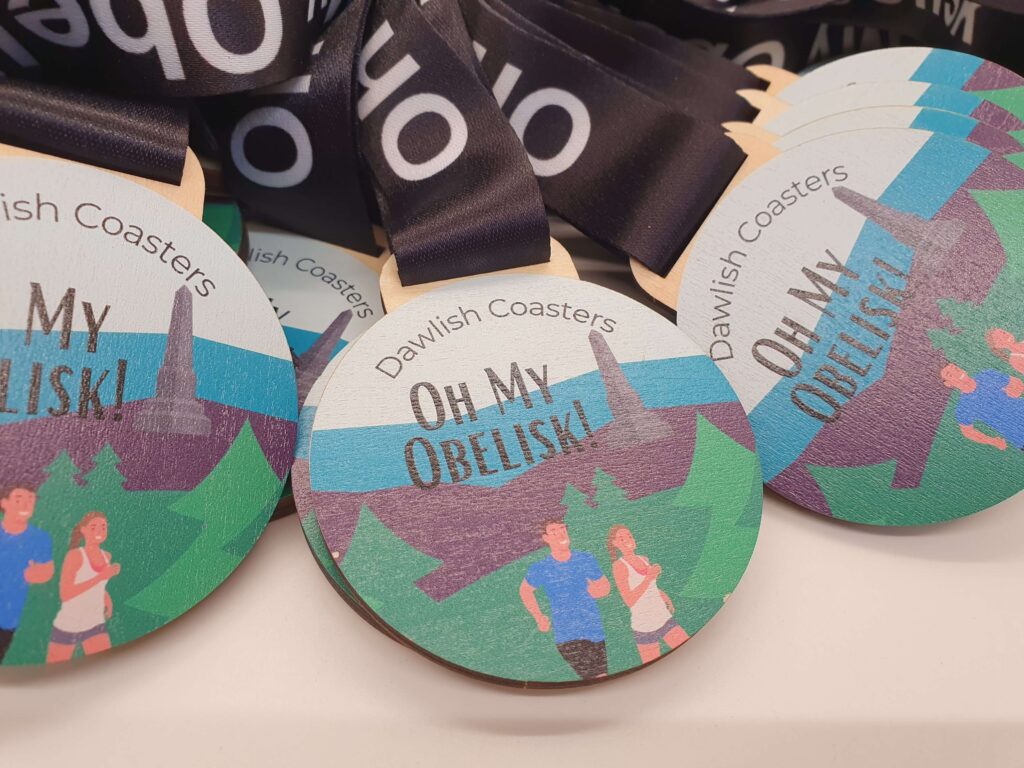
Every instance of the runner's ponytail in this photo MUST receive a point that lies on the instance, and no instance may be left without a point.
(612, 533)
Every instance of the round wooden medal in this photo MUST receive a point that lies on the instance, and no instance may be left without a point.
(535, 480)
(141, 462)
(861, 293)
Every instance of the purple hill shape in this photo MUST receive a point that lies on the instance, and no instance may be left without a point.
(149, 461)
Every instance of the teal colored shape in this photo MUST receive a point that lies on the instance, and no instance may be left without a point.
(950, 68)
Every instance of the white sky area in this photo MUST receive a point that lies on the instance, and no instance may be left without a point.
(105, 269)
(868, 67)
(845, 99)
(796, 238)
(867, 117)
(360, 396)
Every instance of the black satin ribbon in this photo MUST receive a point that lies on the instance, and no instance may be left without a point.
(139, 137)
(689, 86)
(647, 173)
(161, 47)
(989, 29)
(290, 153)
(479, 212)
(731, 76)
(796, 33)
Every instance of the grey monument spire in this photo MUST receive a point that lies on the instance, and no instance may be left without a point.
(633, 423)
(931, 239)
(175, 409)
(311, 363)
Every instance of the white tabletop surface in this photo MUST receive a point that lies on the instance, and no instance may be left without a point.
(843, 646)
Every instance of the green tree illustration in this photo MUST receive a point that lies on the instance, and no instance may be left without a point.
(105, 478)
(725, 476)
(574, 500)
(61, 477)
(234, 499)
(607, 495)
(385, 570)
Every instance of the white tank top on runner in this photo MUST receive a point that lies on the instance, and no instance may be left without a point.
(87, 609)
(649, 613)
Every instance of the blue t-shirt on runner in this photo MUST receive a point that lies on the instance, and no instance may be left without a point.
(989, 404)
(15, 554)
(574, 613)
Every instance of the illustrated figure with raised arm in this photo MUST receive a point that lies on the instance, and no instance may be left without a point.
(26, 558)
(573, 582)
(85, 604)
(991, 399)
(651, 610)
(1005, 346)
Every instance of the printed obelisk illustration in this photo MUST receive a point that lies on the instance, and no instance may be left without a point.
(175, 409)
(633, 422)
(311, 363)
(928, 239)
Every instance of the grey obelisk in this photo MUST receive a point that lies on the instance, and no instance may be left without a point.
(632, 422)
(928, 239)
(311, 363)
(175, 409)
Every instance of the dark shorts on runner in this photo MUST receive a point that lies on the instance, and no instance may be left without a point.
(650, 638)
(6, 638)
(61, 637)
(587, 658)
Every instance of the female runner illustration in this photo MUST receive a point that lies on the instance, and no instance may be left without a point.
(85, 604)
(1005, 346)
(650, 609)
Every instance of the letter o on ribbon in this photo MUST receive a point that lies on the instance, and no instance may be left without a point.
(578, 137)
(402, 114)
(273, 117)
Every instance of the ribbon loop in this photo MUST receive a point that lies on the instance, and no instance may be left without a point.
(142, 138)
(624, 166)
(289, 150)
(454, 184)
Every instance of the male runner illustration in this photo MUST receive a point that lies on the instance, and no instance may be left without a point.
(572, 582)
(989, 398)
(26, 557)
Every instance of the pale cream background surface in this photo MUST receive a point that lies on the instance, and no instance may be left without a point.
(843, 646)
